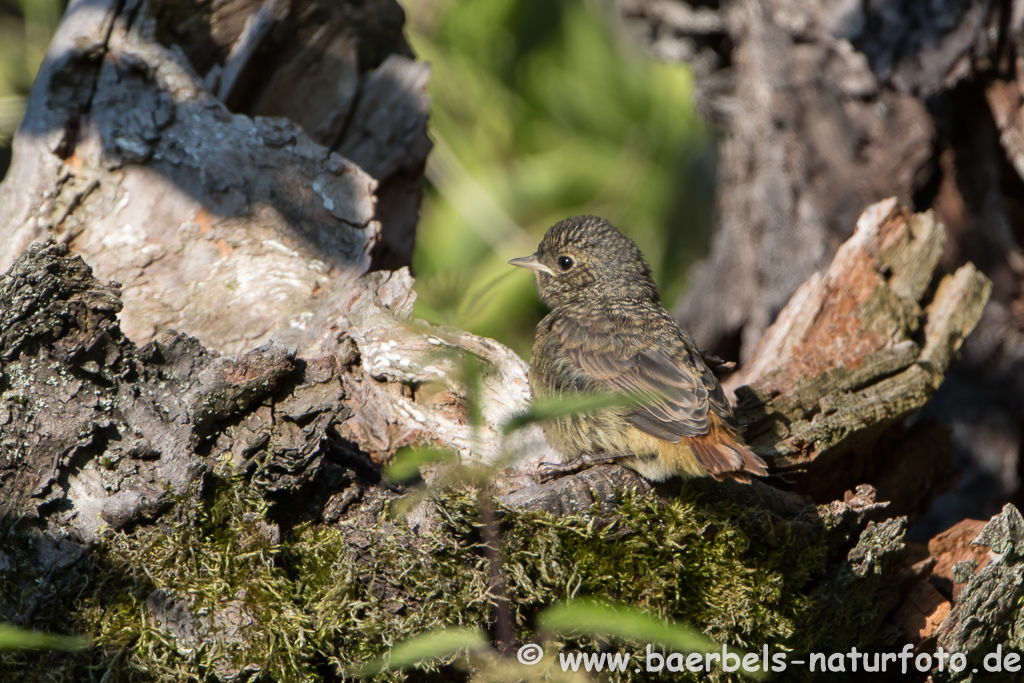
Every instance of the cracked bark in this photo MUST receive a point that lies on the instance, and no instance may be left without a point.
(126, 156)
(250, 337)
(823, 108)
(139, 429)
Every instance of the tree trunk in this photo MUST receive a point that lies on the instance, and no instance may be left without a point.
(825, 107)
(191, 459)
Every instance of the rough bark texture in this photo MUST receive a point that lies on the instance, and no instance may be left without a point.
(126, 156)
(152, 454)
(96, 431)
(825, 107)
(986, 611)
(861, 346)
(224, 516)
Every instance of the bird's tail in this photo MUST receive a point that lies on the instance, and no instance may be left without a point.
(724, 457)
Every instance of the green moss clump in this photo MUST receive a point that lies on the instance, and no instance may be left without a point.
(306, 608)
(211, 592)
(732, 573)
(742, 576)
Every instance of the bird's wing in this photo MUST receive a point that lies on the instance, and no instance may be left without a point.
(675, 392)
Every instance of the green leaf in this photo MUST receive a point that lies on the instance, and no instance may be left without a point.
(596, 619)
(405, 464)
(621, 622)
(430, 645)
(549, 407)
(12, 638)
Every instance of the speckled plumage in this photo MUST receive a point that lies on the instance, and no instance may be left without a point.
(607, 331)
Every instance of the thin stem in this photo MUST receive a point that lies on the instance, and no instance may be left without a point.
(492, 550)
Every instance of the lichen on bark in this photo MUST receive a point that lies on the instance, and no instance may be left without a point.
(214, 587)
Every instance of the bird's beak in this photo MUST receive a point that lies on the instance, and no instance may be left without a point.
(532, 263)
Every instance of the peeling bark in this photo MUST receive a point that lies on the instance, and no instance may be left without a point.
(308, 434)
(826, 107)
(243, 385)
(127, 157)
(858, 348)
(986, 611)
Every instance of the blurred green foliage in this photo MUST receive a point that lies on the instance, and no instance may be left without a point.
(13, 638)
(26, 27)
(540, 111)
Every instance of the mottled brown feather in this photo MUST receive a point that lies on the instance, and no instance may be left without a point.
(607, 332)
(680, 392)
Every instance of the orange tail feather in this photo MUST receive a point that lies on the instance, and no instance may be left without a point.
(724, 457)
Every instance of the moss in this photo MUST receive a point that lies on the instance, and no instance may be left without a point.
(739, 575)
(677, 559)
(328, 597)
(308, 607)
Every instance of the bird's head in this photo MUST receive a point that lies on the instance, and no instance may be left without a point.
(587, 258)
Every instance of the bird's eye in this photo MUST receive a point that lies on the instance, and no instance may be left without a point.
(565, 262)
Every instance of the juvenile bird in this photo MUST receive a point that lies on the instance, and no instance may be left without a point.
(608, 332)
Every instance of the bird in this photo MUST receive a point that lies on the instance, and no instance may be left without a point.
(607, 331)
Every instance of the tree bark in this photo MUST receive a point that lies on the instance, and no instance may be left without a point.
(824, 108)
(127, 156)
(192, 458)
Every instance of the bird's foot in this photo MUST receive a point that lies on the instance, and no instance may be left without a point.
(546, 471)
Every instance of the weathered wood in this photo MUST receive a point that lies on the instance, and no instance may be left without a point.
(171, 419)
(825, 107)
(95, 430)
(844, 360)
(196, 210)
(987, 609)
(411, 389)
